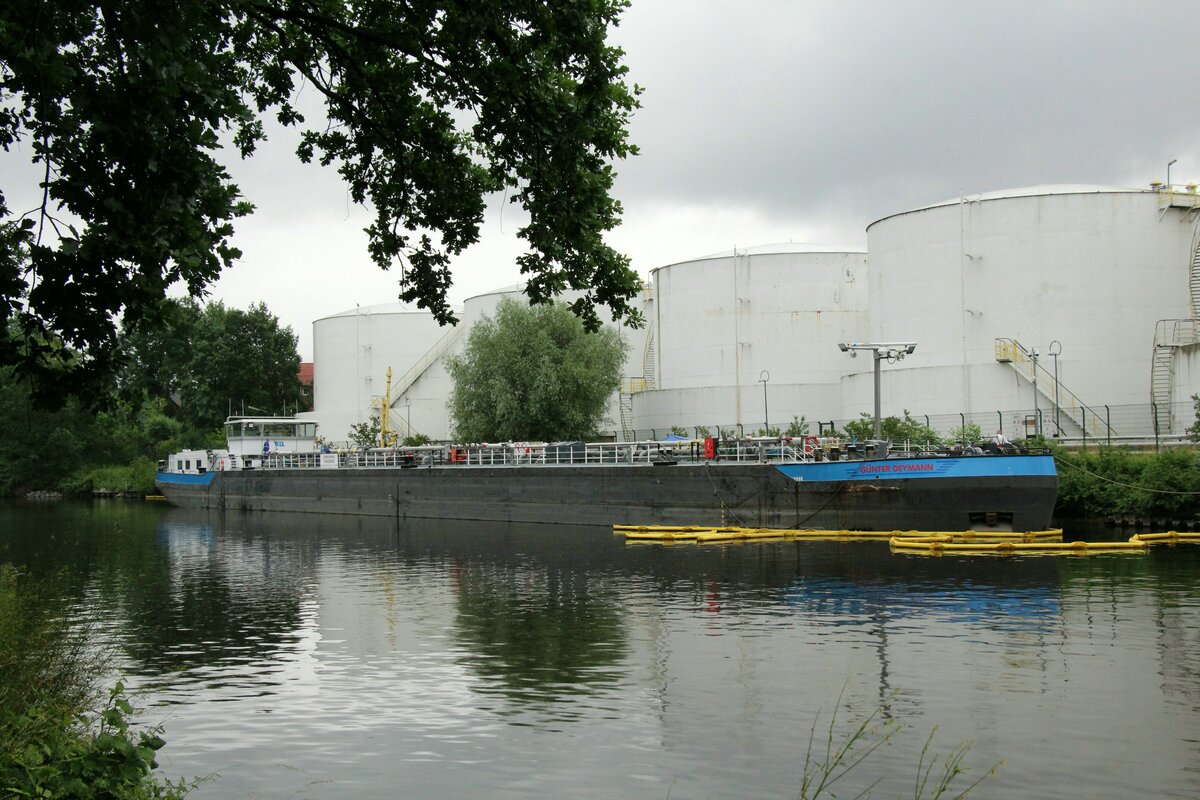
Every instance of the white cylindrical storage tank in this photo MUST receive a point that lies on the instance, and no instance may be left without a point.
(352, 352)
(734, 330)
(1091, 268)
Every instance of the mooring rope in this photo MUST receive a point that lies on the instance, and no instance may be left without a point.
(724, 506)
(1062, 460)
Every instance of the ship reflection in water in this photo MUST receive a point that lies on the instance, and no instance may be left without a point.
(339, 656)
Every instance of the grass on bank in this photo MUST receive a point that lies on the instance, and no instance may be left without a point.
(62, 735)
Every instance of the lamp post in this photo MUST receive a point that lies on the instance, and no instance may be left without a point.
(763, 377)
(408, 417)
(1037, 420)
(1055, 349)
(1169, 163)
(892, 351)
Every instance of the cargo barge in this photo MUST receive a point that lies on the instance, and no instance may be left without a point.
(276, 464)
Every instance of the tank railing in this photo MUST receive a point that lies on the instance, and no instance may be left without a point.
(1012, 351)
(1176, 332)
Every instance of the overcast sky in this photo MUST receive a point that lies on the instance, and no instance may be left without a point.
(775, 121)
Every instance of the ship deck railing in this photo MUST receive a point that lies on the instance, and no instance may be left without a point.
(544, 454)
(693, 451)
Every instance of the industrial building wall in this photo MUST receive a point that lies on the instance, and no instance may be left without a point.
(1089, 267)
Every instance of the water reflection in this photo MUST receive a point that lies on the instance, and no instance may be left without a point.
(333, 656)
(538, 633)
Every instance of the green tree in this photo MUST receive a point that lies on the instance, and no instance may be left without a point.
(39, 447)
(533, 373)
(154, 358)
(239, 359)
(896, 429)
(429, 108)
(205, 361)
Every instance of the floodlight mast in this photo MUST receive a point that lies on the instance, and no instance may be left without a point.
(892, 351)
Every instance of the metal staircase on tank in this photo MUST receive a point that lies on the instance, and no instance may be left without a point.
(649, 359)
(1171, 336)
(1075, 416)
(1194, 275)
(634, 385)
(439, 350)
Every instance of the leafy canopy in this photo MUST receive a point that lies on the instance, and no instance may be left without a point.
(533, 373)
(213, 360)
(178, 383)
(429, 107)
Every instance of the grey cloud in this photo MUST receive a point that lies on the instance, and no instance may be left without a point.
(796, 109)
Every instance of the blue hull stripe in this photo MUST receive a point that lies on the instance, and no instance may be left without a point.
(917, 468)
(184, 479)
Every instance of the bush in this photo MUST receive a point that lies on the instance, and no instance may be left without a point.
(797, 427)
(967, 434)
(136, 478)
(1114, 481)
(895, 429)
(60, 735)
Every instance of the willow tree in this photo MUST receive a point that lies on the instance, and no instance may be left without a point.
(533, 374)
(128, 108)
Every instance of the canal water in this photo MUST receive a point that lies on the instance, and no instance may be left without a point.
(303, 656)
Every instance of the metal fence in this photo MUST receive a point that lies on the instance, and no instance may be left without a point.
(1140, 424)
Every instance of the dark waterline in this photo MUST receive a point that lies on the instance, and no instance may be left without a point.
(300, 655)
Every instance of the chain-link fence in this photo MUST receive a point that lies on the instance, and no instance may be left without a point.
(1135, 424)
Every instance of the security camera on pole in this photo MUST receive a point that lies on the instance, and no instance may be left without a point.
(892, 351)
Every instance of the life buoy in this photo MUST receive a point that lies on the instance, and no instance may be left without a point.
(220, 463)
(810, 444)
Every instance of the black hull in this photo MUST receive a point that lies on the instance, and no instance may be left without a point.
(750, 495)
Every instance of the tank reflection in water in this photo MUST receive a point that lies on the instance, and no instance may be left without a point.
(330, 657)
